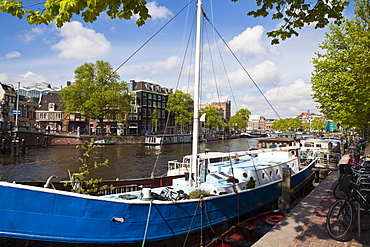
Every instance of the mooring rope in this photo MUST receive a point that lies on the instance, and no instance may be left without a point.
(147, 223)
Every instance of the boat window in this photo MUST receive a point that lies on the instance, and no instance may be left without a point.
(264, 145)
(272, 145)
(270, 173)
(283, 145)
(318, 145)
(245, 175)
(277, 171)
(213, 160)
(263, 175)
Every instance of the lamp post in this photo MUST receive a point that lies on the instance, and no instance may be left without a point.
(2, 118)
(17, 108)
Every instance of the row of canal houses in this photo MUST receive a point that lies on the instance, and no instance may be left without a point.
(40, 109)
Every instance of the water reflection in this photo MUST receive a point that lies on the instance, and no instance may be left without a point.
(125, 161)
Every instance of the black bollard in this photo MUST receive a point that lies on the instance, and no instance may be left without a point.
(23, 147)
(286, 190)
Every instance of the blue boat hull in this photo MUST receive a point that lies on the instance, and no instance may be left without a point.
(28, 212)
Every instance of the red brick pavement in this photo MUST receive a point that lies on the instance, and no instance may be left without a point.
(314, 233)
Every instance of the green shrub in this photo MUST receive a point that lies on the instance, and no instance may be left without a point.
(251, 183)
(198, 193)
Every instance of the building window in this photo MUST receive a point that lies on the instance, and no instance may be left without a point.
(42, 115)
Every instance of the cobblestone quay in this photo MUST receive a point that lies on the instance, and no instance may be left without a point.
(306, 224)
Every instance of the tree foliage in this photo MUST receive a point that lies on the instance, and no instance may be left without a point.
(239, 120)
(154, 119)
(97, 93)
(181, 104)
(318, 123)
(79, 181)
(341, 78)
(213, 117)
(294, 14)
(61, 12)
(287, 124)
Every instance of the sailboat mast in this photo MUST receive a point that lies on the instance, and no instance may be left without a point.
(194, 163)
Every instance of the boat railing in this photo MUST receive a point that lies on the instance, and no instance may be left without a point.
(118, 190)
(174, 164)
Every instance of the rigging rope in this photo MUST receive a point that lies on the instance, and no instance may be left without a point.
(245, 70)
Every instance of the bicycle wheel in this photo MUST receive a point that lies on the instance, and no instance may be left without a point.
(339, 221)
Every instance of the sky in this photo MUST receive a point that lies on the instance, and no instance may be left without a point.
(44, 53)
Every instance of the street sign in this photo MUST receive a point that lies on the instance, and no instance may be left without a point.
(16, 112)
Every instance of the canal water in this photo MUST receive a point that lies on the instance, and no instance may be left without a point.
(125, 161)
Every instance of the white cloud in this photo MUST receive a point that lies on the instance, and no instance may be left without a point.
(263, 74)
(4, 77)
(287, 101)
(158, 12)
(32, 34)
(298, 90)
(81, 42)
(163, 66)
(250, 41)
(30, 78)
(13, 54)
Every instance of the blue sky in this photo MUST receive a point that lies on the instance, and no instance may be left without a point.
(45, 53)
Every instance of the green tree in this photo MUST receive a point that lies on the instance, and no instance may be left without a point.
(295, 14)
(318, 123)
(294, 123)
(181, 104)
(239, 120)
(287, 124)
(154, 119)
(341, 78)
(279, 124)
(97, 93)
(213, 117)
(79, 181)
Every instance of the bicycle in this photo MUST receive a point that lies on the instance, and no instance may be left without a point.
(354, 167)
(342, 214)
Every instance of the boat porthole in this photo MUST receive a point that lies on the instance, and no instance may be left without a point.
(118, 220)
(245, 175)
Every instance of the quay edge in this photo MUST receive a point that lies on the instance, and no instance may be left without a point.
(42, 139)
